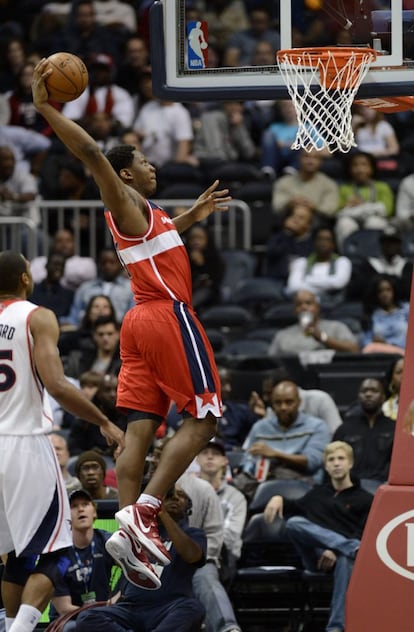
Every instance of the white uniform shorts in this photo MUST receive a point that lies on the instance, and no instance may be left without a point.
(34, 506)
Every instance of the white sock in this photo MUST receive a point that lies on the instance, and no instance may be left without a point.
(26, 619)
(9, 621)
(146, 499)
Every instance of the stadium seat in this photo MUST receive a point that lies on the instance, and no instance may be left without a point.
(230, 319)
(258, 294)
(280, 315)
(268, 581)
(245, 347)
(239, 266)
(361, 244)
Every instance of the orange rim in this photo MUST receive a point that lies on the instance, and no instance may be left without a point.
(332, 60)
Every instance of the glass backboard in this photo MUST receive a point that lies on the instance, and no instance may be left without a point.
(209, 49)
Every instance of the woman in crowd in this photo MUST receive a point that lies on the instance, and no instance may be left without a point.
(386, 318)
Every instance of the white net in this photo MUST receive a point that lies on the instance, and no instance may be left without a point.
(322, 85)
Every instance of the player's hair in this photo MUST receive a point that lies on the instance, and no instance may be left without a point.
(121, 157)
(338, 445)
(12, 266)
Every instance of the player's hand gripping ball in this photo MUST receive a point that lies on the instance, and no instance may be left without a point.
(68, 79)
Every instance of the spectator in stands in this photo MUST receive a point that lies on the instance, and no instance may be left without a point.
(166, 132)
(276, 154)
(308, 186)
(100, 126)
(206, 514)
(364, 201)
(61, 418)
(58, 440)
(292, 240)
(84, 36)
(102, 95)
(130, 137)
(369, 432)
(90, 469)
(312, 332)
(104, 357)
(386, 317)
(12, 60)
(207, 585)
(50, 292)
(391, 261)
(29, 148)
(213, 462)
(326, 525)
(238, 417)
(241, 46)
(375, 134)
(324, 271)
(18, 188)
(77, 269)
(225, 18)
(18, 197)
(81, 433)
(393, 385)
(260, 113)
(82, 337)
(286, 443)
(313, 401)
(135, 62)
(110, 281)
(72, 182)
(222, 136)
(404, 204)
(173, 606)
(22, 110)
(89, 566)
(207, 266)
(116, 14)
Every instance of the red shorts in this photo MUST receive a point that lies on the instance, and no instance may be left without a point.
(166, 356)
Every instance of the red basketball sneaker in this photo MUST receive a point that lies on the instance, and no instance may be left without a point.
(133, 561)
(140, 521)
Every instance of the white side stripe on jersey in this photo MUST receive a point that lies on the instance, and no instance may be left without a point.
(150, 248)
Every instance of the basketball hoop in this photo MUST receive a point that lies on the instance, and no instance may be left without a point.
(322, 84)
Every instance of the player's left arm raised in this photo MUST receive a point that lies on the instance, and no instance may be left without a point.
(209, 201)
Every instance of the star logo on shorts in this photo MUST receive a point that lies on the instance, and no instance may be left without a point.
(207, 402)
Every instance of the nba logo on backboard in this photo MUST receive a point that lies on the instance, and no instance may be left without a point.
(197, 45)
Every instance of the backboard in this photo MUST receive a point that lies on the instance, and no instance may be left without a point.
(190, 47)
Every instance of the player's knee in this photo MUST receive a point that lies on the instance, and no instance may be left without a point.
(54, 565)
(18, 569)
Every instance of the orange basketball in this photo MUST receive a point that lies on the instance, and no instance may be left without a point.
(68, 79)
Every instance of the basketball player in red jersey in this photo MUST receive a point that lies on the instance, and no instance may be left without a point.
(165, 353)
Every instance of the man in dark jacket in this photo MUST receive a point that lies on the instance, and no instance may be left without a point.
(327, 524)
(173, 606)
(369, 432)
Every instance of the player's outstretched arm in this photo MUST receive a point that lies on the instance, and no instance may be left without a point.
(209, 201)
(115, 194)
(45, 331)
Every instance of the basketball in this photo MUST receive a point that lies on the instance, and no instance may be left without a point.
(68, 79)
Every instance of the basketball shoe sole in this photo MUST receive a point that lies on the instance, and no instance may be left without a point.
(133, 561)
(140, 521)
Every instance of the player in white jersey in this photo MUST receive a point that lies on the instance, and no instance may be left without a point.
(34, 510)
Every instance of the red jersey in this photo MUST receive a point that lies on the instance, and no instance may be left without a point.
(157, 262)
